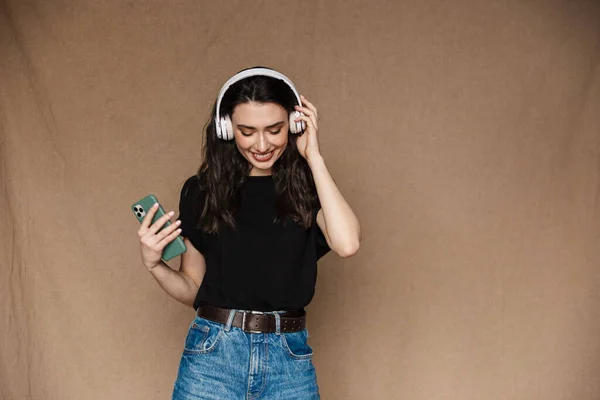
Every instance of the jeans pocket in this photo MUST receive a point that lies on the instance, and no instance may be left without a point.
(295, 345)
(203, 336)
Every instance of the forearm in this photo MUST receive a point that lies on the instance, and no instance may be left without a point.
(343, 228)
(176, 283)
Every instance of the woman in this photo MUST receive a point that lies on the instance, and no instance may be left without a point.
(257, 216)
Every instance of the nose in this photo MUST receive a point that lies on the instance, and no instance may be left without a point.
(263, 144)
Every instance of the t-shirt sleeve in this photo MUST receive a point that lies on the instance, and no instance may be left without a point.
(320, 242)
(190, 207)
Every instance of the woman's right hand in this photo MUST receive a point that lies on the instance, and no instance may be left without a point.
(153, 242)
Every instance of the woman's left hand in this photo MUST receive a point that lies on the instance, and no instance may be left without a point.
(308, 143)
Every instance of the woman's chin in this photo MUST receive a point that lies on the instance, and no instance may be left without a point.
(260, 167)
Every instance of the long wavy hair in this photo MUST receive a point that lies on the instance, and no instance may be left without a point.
(224, 170)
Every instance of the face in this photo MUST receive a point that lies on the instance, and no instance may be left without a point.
(261, 134)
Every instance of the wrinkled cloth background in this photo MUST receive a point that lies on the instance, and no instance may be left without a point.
(465, 134)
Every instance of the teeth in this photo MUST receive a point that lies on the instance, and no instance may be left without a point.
(263, 155)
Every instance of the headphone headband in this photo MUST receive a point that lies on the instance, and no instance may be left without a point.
(246, 74)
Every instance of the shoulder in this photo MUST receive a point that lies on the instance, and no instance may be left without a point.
(192, 186)
(192, 191)
(191, 183)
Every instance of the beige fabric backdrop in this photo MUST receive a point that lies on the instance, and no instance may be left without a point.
(465, 134)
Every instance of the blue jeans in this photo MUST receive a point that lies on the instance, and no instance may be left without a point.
(222, 362)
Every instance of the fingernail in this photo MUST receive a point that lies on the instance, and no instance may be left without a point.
(171, 212)
(178, 222)
(155, 205)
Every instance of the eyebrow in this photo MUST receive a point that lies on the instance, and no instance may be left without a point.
(268, 127)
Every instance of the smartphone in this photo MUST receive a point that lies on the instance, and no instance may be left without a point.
(141, 207)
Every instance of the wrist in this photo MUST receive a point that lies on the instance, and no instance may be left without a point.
(314, 160)
(152, 267)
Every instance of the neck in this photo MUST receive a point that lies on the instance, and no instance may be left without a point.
(255, 172)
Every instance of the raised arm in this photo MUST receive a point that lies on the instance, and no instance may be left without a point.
(336, 218)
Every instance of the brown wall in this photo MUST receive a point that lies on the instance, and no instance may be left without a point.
(465, 134)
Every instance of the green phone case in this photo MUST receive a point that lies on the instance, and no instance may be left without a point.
(140, 209)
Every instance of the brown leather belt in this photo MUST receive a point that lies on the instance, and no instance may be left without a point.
(254, 321)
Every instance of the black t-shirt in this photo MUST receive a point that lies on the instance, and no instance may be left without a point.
(258, 265)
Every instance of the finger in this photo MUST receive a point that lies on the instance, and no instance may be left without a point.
(304, 110)
(168, 230)
(309, 104)
(148, 218)
(155, 227)
(169, 238)
(312, 117)
(308, 120)
(309, 112)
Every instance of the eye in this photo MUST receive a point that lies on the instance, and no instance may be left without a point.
(245, 133)
(276, 132)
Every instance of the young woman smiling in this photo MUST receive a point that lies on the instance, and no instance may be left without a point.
(256, 217)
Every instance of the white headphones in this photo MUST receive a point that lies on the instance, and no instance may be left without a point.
(224, 125)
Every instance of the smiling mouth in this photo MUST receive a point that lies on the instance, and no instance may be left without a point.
(263, 157)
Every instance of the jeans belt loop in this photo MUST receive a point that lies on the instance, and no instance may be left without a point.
(230, 319)
(277, 323)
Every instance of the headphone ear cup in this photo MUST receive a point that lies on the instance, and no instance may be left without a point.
(296, 127)
(228, 125)
(301, 126)
(225, 128)
(218, 128)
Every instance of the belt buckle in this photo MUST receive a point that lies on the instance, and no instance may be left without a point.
(244, 328)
